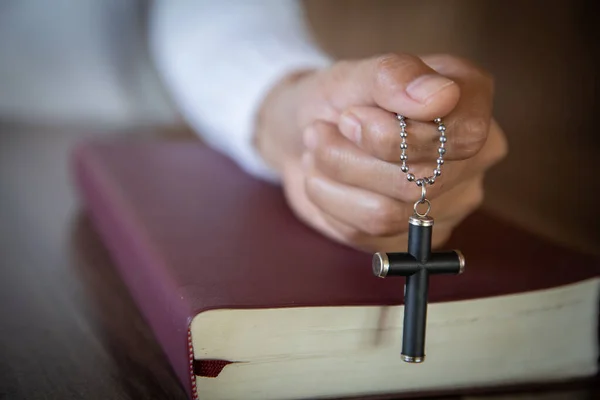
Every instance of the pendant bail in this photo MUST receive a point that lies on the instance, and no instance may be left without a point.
(422, 200)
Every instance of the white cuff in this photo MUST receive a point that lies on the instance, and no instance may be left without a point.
(229, 123)
(220, 59)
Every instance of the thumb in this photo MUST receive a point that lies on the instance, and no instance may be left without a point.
(398, 83)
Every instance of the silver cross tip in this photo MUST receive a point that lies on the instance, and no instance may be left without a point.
(380, 264)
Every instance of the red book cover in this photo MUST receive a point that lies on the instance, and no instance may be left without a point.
(191, 233)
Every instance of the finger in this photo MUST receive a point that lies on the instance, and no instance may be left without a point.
(468, 124)
(449, 211)
(378, 215)
(398, 83)
(462, 200)
(377, 132)
(294, 176)
(455, 172)
(350, 236)
(341, 160)
(365, 211)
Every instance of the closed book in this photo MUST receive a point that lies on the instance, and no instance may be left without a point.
(248, 302)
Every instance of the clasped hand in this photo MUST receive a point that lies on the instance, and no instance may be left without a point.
(334, 137)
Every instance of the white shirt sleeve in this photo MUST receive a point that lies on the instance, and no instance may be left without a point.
(219, 59)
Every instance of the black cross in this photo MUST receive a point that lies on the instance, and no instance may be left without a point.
(416, 265)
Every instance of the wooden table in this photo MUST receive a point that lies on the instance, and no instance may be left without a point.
(69, 329)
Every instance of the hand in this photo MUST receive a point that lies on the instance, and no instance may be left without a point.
(334, 137)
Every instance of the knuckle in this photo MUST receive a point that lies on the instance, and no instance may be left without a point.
(478, 197)
(475, 198)
(477, 130)
(310, 191)
(336, 74)
(452, 64)
(323, 148)
(320, 127)
(320, 135)
(327, 160)
(496, 147)
(380, 142)
(485, 80)
(468, 68)
(500, 149)
(481, 74)
(473, 68)
(441, 236)
(488, 79)
(389, 67)
(473, 136)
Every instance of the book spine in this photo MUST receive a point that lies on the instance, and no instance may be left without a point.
(141, 269)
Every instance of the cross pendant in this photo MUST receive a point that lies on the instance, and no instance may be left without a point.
(416, 265)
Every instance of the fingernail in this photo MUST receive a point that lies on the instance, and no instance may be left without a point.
(350, 127)
(310, 138)
(422, 88)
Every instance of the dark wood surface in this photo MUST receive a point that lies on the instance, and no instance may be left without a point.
(68, 328)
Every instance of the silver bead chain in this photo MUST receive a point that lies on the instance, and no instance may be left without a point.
(437, 171)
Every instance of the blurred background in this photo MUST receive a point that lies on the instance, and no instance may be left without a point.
(543, 54)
